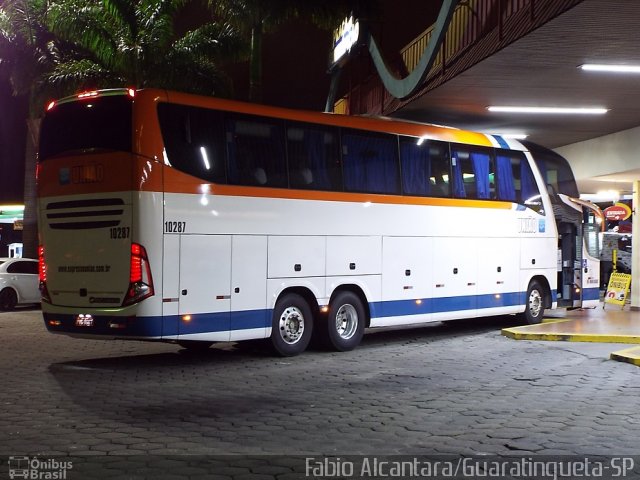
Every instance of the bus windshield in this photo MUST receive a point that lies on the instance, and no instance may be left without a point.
(556, 171)
(101, 123)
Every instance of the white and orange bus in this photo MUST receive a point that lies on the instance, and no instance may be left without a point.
(174, 217)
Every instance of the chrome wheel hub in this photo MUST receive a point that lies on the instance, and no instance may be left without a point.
(346, 321)
(291, 325)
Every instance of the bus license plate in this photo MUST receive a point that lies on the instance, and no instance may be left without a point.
(84, 320)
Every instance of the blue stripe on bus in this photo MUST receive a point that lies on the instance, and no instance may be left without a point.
(501, 141)
(158, 326)
(395, 308)
(220, 322)
(172, 325)
(591, 294)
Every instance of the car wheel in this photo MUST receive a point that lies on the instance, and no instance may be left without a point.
(291, 326)
(8, 299)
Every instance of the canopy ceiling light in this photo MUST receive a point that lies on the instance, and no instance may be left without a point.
(595, 67)
(551, 110)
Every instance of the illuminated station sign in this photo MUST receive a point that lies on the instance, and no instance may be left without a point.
(345, 37)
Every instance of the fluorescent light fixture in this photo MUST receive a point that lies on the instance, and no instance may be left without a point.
(205, 158)
(551, 110)
(595, 67)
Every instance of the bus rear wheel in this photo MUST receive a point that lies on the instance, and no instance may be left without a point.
(345, 322)
(534, 303)
(291, 326)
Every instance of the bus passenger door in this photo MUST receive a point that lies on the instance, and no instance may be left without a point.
(590, 274)
(205, 287)
(568, 265)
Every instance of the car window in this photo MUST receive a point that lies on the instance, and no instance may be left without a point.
(23, 267)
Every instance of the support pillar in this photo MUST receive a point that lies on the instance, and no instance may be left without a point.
(635, 248)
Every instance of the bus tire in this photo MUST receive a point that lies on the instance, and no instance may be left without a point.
(345, 322)
(534, 303)
(292, 325)
(8, 299)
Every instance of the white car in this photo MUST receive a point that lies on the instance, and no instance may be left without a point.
(18, 282)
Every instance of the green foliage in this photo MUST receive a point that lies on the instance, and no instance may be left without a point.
(27, 48)
(134, 44)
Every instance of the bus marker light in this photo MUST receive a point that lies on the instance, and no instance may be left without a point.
(55, 323)
(324, 309)
(87, 95)
(186, 318)
(117, 325)
(419, 302)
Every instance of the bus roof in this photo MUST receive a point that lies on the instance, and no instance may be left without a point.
(372, 123)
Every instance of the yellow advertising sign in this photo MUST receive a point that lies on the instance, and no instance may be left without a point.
(617, 289)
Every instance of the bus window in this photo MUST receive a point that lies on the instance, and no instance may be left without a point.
(425, 167)
(506, 164)
(256, 152)
(528, 188)
(102, 123)
(193, 141)
(370, 162)
(473, 172)
(313, 157)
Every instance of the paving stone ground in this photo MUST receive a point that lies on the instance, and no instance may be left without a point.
(442, 389)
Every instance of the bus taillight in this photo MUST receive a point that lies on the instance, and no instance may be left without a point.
(140, 281)
(42, 275)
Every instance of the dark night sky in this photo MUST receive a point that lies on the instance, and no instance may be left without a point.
(294, 75)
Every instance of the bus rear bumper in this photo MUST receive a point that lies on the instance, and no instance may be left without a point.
(104, 325)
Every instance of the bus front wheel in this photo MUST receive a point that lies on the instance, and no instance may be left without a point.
(291, 326)
(345, 322)
(534, 303)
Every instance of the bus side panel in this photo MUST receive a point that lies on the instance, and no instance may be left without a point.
(170, 285)
(356, 255)
(537, 253)
(538, 257)
(498, 276)
(406, 279)
(455, 262)
(296, 256)
(249, 315)
(205, 283)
